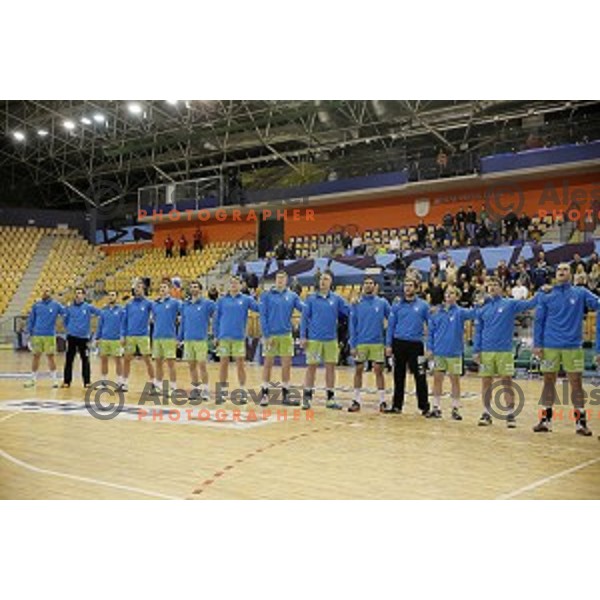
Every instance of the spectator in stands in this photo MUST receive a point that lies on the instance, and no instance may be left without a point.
(592, 261)
(510, 227)
(503, 273)
(466, 297)
(252, 281)
(451, 272)
(594, 279)
(494, 227)
(471, 223)
(448, 222)
(461, 219)
(478, 270)
(524, 223)
(213, 293)
(520, 291)
(357, 244)
(346, 240)
(439, 236)
(482, 234)
(183, 244)
(280, 250)
(317, 278)
(422, 234)
(399, 267)
(169, 243)
(197, 240)
(435, 292)
(296, 286)
(576, 263)
(434, 271)
(541, 272)
(291, 254)
(483, 214)
(394, 245)
(465, 272)
(580, 276)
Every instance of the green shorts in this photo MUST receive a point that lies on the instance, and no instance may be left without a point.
(45, 344)
(195, 350)
(372, 352)
(318, 351)
(279, 345)
(142, 342)
(164, 348)
(110, 348)
(448, 364)
(572, 360)
(500, 364)
(232, 348)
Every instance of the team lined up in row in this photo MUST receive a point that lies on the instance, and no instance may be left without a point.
(376, 329)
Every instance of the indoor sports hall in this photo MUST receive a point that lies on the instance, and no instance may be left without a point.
(313, 228)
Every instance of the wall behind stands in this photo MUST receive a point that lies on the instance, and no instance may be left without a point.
(405, 210)
(36, 217)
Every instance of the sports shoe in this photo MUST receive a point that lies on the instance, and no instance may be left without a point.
(544, 426)
(435, 413)
(29, 384)
(194, 394)
(382, 407)
(485, 420)
(295, 402)
(333, 405)
(264, 401)
(305, 404)
(354, 407)
(511, 421)
(123, 387)
(456, 415)
(155, 390)
(393, 411)
(582, 429)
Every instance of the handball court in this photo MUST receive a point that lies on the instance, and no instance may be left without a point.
(49, 453)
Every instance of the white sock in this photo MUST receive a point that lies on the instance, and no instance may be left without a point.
(173, 385)
(436, 402)
(456, 403)
(33, 375)
(125, 380)
(265, 385)
(119, 379)
(54, 375)
(157, 383)
(357, 395)
(381, 396)
(204, 388)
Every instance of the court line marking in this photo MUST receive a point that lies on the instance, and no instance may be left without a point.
(10, 416)
(545, 480)
(118, 486)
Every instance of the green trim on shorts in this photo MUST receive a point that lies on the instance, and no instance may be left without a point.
(279, 345)
(501, 364)
(164, 348)
(372, 352)
(452, 365)
(110, 348)
(195, 350)
(140, 341)
(318, 351)
(571, 359)
(232, 348)
(43, 344)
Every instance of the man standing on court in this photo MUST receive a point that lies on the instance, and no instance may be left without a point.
(367, 339)
(231, 319)
(77, 318)
(164, 339)
(276, 309)
(557, 334)
(193, 334)
(404, 341)
(135, 332)
(41, 327)
(493, 346)
(108, 333)
(318, 333)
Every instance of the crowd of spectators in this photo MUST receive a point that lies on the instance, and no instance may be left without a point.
(519, 281)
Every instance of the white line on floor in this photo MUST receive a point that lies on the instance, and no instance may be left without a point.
(8, 417)
(117, 486)
(546, 480)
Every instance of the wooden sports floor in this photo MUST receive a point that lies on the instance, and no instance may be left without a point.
(50, 453)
